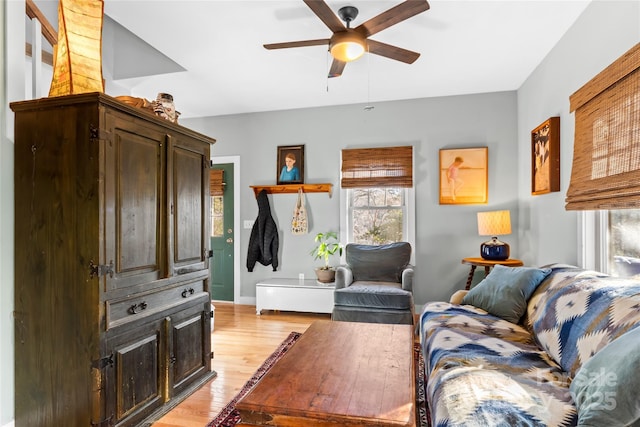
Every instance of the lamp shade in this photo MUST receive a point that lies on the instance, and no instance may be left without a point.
(77, 57)
(494, 223)
(347, 46)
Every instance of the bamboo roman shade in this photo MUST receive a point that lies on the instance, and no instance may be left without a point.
(216, 184)
(377, 167)
(606, 153)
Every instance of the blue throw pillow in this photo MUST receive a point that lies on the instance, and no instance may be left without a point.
(506, 291)
(605, 389)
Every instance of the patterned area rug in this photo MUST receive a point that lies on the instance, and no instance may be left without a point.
(229, 416)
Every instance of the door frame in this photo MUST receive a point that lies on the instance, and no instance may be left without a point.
(236, 219)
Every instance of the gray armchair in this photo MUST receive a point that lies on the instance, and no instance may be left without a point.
(375, 285)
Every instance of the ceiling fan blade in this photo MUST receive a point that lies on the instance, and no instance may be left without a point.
(301, 43)
(326, 15)
(399, 13)
(337, 67)
(392, 52)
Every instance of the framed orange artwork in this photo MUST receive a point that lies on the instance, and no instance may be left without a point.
(464, 176)
(545, 157)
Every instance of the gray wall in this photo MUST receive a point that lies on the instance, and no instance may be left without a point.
(12, 88)
(605, 31)
(444, 233)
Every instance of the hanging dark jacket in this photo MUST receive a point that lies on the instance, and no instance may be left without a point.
(263, 243)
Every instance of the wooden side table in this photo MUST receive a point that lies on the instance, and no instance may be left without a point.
(487, 264)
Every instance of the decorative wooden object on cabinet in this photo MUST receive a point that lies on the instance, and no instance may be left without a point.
(112, 309)
(292, 188)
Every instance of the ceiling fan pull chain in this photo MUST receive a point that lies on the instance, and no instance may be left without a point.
(326, 65)
(368, 107)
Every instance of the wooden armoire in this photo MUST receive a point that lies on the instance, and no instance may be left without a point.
(112, 309)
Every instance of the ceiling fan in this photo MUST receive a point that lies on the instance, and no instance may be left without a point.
(348, 44)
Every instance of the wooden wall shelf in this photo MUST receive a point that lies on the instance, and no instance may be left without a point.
(292, 188)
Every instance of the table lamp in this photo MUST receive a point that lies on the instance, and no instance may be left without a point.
(494, 223)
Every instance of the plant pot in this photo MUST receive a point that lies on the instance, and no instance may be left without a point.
(325, 275)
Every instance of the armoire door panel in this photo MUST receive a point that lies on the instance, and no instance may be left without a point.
(135, 389)
(136, 374)
(189, 188)
(191, 344)
(134, 198)
(138, 196)
(187, 198)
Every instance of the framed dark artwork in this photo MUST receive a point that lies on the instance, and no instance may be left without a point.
(464, 176)
(290, 167)
(545, 157)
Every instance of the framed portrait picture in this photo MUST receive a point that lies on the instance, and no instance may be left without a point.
(290, 165)
(545, 157)
(463, 176)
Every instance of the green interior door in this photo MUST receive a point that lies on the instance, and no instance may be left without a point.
(222, 239)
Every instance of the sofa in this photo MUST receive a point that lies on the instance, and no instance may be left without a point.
(554, 346)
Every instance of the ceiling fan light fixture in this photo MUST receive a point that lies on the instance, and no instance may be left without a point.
(347, 46)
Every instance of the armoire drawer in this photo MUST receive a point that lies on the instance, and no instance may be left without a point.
(124, 310)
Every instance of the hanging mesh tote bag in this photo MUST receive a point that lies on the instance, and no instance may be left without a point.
(299, 220)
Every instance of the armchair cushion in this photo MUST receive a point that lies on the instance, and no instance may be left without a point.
(384, 263)
(374, 294)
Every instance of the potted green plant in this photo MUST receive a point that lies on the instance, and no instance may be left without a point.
(328, 245)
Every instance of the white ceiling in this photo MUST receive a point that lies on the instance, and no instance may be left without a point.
(466, 47)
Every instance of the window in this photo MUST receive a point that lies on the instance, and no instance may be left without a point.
(216, 189)
(376, 215)
(377, 196)
(612, 241)
(217, 216)
(623, 243)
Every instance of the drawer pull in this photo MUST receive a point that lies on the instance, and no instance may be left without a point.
(137, 308)
(187, 292)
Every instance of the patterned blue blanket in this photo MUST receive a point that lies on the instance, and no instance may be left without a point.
(484, 371)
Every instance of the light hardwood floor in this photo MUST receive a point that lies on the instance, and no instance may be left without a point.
(241, 341)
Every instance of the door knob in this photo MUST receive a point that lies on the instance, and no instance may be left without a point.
(229, 240)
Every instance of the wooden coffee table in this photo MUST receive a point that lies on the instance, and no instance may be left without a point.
(338, 374)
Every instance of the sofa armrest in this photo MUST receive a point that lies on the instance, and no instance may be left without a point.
(344, 276)
(407, 278)
(457, 296)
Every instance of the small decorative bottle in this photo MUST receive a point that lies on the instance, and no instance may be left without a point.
(164, 107)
